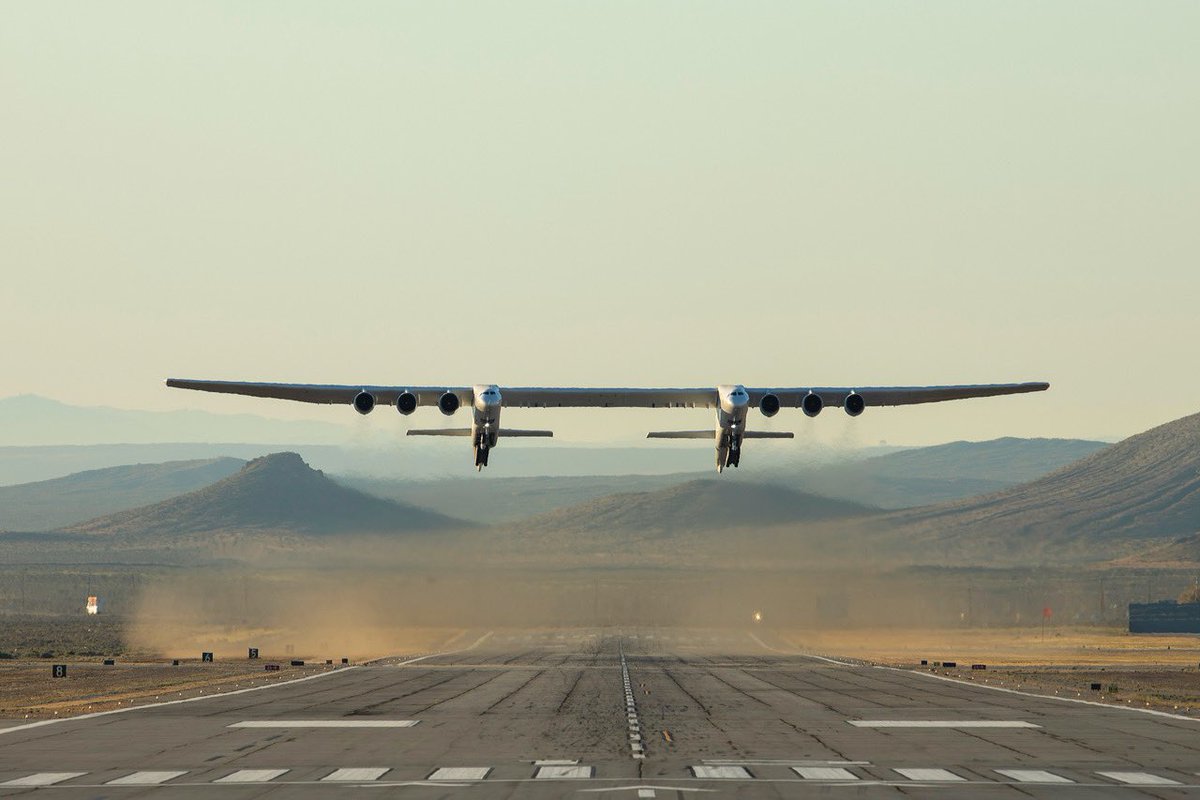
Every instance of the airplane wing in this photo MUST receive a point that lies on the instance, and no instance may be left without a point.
(894, 395)
(540, 397)
(323, 393)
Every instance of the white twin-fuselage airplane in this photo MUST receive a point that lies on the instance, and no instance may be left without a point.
(732, 402)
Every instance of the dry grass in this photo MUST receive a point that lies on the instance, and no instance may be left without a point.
(1067, 647)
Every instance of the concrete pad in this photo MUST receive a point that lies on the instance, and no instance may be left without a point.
(825, 774)
(460, 773)
(722, 773)
(926, 775)
(1139, 778)
(556, 773)
(252, 776)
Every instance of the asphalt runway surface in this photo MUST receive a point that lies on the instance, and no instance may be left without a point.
(599, 714)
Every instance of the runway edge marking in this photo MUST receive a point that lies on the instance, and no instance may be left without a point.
(339, 671)
(973, 684)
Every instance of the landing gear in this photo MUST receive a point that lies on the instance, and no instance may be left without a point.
(485, 440)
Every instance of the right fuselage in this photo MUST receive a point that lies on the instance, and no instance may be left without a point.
(733, 403)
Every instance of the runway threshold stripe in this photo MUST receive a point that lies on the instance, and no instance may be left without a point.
(1138, 778)
(929, 775)
(356, 774)
(146, 778)
(252, 776)
(43, 779)
(1033, 776)
(825, 774)
(325, 723)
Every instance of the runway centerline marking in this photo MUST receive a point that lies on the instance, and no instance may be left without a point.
(43, 779)
(356, 774)
(825, 773)
(722, 773)
(459, 774)
(147, 778)
(251, 776)
(554, 773)
(325, 723)
(1138, 778)
(941, 723)
(929, 775)
(1033, 776)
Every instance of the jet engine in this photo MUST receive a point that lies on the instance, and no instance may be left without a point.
(364, 402)
(406, 403)
(854, 404)
(812, 404)
(449, 403)
(769, 405)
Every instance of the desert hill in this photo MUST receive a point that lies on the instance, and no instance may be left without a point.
(1144, 488)
(57, 503)
(277, 492)
(696, 505)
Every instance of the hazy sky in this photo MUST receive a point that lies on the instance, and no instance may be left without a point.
(636, 193)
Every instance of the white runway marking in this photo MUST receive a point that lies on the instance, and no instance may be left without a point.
(722, 773)
(43, 779)
(325, 723)
(356, 774)
(1033, 776)
(930, 775)
(252, 776)
(550, 773)
(825, 774)
(941, 723)
(460, 773)
(146, 778)
(1139, 778)
(556, 762)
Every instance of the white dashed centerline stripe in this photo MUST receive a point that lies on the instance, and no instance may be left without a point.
(252, 776)
(43, 779)
(146, 778)
(1138, 778)
(356, 774)
(825, 774)
(1033, 776)
(929, 775)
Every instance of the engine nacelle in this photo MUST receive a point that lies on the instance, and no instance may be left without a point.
(406, 403)
(448, 403)
(769, 405)
(364, 402)
(812, 404)
(854, 404)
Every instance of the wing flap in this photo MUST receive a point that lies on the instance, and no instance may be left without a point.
(708, 434)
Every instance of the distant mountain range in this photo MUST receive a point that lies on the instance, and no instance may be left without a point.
(30, 420)
(279, 493)
(707, 504)
(1106, 505)
(57, 503)
(914, 477)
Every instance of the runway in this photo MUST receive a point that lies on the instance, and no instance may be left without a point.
(609, 714)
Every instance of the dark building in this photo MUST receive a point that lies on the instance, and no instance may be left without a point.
(1166, 616)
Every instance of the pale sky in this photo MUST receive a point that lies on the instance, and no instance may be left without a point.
(636, 193)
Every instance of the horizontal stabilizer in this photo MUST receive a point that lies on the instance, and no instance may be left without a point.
(708, 434)
(768, 435)
(507, 432)
(440, 432)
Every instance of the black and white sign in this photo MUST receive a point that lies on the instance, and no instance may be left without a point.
(59, 671)
(206, 657)
(253, 653)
